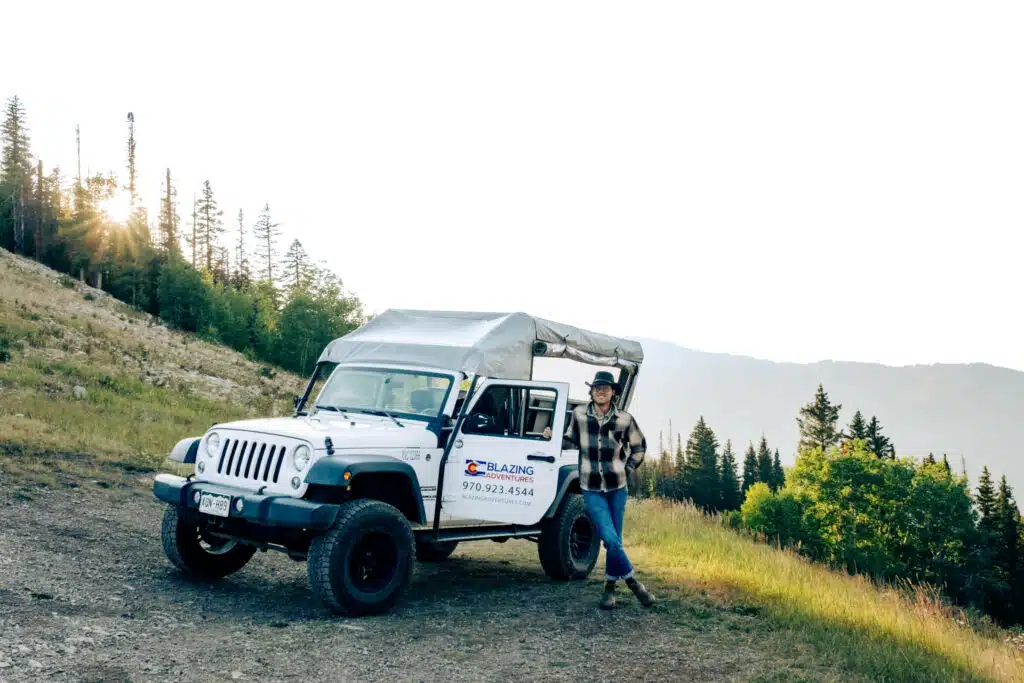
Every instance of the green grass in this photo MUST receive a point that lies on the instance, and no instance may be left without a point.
(125, 426)
(880, 633)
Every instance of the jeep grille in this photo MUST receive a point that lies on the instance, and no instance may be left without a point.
(251, 460)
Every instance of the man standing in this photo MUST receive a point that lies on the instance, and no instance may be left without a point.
(611, 446)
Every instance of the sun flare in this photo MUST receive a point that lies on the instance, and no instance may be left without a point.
(118, 207)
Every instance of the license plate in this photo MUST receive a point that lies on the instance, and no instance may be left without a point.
(214, 504)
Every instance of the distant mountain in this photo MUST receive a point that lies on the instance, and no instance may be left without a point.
(970, 411)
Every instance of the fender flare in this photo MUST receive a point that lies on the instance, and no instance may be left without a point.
(567, 476)
(331, 470)
(185, 450)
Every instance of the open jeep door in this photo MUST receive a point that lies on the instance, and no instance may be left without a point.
(501, 467)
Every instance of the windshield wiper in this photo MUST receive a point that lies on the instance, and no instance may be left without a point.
(335, 409)
(383, 413)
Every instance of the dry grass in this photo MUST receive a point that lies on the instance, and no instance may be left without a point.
(147, 386)
(882, 633)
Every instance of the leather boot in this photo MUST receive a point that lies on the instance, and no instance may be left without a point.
(641, 593)
(608, 599)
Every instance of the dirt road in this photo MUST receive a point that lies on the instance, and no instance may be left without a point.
(87, 595)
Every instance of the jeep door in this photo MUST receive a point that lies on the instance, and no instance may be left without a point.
(501, 468)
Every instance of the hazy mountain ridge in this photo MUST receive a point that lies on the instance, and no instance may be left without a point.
(969, 410)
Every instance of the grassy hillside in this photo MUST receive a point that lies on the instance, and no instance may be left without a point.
(146, 387)
(880, 634)
(91, 387)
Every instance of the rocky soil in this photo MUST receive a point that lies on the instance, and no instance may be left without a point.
(87, 595)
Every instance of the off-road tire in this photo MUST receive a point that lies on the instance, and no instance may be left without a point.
(569, 544)
(428, 551)
(370, 531)
(181, 533)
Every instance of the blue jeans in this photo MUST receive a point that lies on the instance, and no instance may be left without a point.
(606, 510)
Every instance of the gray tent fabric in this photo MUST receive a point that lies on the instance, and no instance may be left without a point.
(481, 343)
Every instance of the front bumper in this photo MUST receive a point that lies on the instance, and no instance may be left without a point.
(271, 511)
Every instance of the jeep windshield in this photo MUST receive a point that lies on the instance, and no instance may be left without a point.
(385, 392)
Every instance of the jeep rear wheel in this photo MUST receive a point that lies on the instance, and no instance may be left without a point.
(196, 553)
(428, 551)
(364, 562)
(569, 544)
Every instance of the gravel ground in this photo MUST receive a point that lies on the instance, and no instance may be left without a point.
(86, 594)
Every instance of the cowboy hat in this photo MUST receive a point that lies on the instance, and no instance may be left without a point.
(604, 377)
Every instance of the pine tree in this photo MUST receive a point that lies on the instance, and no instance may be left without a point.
(169, 220)
(778, 474)
(297, 271)
(817, 422)
(41, 211)
(16, 168)
(986, 501)
(729, 483)
(878, 443)
(132, 195)
(1007, 516)
(945, 464)
(764, 463)
(701, 479)
(266, 234)
(857, 428)
(677, 484)
(222, 265)
(749, 468)
(16, 161)
(666, 475)
(929, 459)
(243, 275)
(210, 226)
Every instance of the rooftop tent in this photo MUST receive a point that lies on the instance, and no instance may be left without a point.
(489, 344)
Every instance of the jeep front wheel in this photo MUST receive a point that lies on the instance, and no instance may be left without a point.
(569, 543)
(206, 557)
(364, 562)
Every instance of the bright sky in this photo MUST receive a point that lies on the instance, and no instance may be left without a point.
(793, 181)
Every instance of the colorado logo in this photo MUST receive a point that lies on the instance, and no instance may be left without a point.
(476, 468)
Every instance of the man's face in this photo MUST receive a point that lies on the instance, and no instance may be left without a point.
(602, 394)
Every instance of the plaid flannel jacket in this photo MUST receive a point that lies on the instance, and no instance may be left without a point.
(607, 446)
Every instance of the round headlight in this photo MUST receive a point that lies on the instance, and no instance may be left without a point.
(301, 457)
(212, 444)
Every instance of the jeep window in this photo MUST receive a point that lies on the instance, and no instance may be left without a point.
(512, 411)
(404, 393)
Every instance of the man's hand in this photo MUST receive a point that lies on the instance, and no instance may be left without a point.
(547, 432)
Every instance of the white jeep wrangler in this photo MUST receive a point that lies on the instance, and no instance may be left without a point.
(415, 408)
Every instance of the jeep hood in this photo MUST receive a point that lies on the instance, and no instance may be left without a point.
(359, 431)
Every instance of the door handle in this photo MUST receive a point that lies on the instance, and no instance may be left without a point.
(540, 456)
